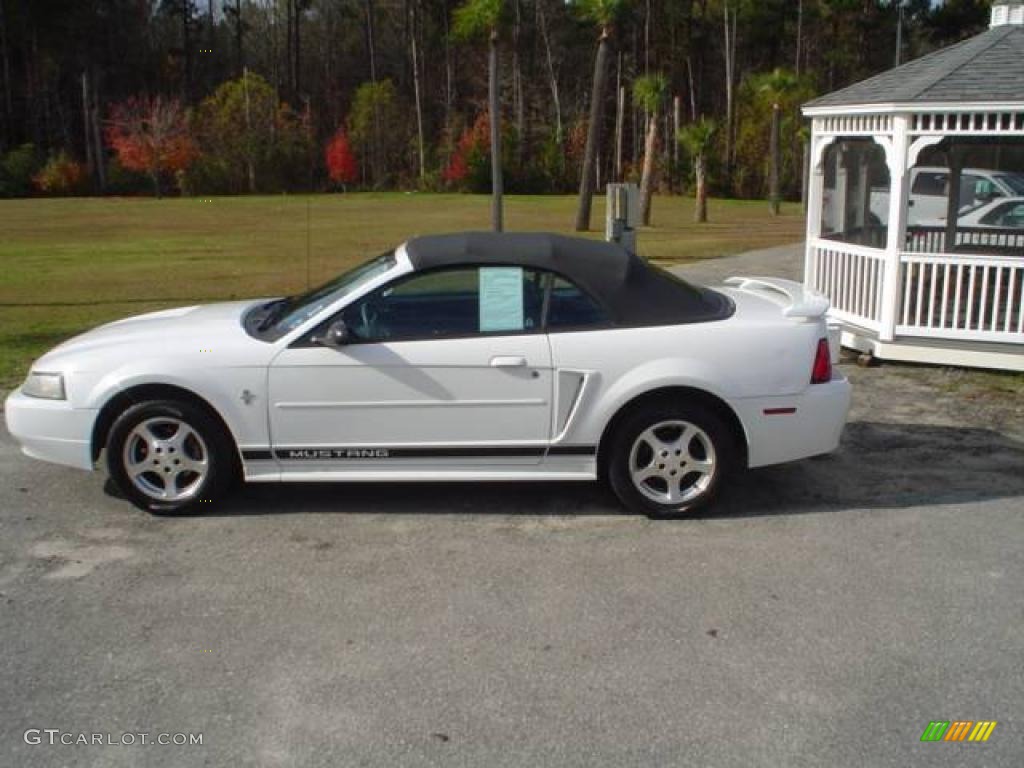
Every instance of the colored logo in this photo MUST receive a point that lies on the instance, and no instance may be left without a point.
(958, 730)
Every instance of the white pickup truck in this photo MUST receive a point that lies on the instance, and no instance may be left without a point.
(929, 193)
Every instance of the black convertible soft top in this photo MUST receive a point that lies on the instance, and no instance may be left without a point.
(632, 291)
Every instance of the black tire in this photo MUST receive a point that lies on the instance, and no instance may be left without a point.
(695, 491)
(201, 491)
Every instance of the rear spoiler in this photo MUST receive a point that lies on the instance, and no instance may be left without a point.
(803, 302)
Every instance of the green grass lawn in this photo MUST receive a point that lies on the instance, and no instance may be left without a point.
(69, 264)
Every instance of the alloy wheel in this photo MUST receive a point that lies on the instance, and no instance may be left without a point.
(166, 459)
(672, 462)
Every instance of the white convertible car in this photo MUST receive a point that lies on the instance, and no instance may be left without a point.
(455, 357)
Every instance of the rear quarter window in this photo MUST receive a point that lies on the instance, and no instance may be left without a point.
(571, 307)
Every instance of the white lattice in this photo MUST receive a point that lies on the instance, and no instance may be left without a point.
(968, 123)
(854, 125)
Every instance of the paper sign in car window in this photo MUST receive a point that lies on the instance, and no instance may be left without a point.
(501, 299)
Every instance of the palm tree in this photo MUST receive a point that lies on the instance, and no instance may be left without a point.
(649, 92)
(775, 87)
(474, 19)
(696, 140)
(602, 13)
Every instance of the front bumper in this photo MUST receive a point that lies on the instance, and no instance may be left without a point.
(51, 430)
(792, 427)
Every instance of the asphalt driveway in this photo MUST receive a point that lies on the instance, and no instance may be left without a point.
(824, 615)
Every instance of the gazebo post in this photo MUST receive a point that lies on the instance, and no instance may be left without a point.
(842, 198)
(815, 193)
(896, 235)
(956, 164)
(864, 190)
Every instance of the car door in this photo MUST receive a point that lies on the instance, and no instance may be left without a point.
(928, 196)
(442, 368)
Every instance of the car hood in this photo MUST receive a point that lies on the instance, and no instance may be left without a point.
(209, 326)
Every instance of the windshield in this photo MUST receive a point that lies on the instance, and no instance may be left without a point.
(277, 318)
(1014, 181)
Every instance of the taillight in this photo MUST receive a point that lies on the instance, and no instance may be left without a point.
(821, 373)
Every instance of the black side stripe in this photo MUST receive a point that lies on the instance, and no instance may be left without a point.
(572, 450)
(297, 453)
(259, 455)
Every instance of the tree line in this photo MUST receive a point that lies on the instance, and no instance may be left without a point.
(238, 96)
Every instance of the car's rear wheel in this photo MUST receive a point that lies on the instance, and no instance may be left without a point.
(169, 457)
(670, 460)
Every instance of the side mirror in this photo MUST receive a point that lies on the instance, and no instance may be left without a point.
(336, 335)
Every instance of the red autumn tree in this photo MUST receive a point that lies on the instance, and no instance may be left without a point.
(457, 169)
(341, 163)
(470, 154)
(151, 135)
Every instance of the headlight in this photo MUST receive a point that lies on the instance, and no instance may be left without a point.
(46, 385)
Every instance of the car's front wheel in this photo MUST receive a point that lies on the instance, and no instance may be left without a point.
(670, 460)
(169, 457)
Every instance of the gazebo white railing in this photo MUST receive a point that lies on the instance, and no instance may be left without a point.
(962, 297)
(852, 277)
(939, 295)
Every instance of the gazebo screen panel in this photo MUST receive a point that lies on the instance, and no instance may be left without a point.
(988, 198)
(855, 201)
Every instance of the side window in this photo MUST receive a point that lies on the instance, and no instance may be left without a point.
(465, 301)
(969, 191)
(570, 307)
(930, 183)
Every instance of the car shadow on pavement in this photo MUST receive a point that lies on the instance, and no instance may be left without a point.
(881, 465)
(878, 465)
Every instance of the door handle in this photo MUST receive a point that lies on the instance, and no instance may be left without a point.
(508, 361)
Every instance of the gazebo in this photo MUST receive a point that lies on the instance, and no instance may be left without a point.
(915, 226)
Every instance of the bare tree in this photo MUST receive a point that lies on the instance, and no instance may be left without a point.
(729, 19)
(86, 125)
(235, 13)
(620, 117)
(299, 7)
(413, 8)
(518, 100)
(6, 62)
(494, 105)
(449, 74)
(185, 9)
(799, 35)
(552, 73)
(473, 19)
(97, 138)
(603, 13)
(376, 161)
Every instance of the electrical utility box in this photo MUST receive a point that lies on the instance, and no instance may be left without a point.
(622, 215)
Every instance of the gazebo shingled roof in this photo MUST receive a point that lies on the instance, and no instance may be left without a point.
(985, 68)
